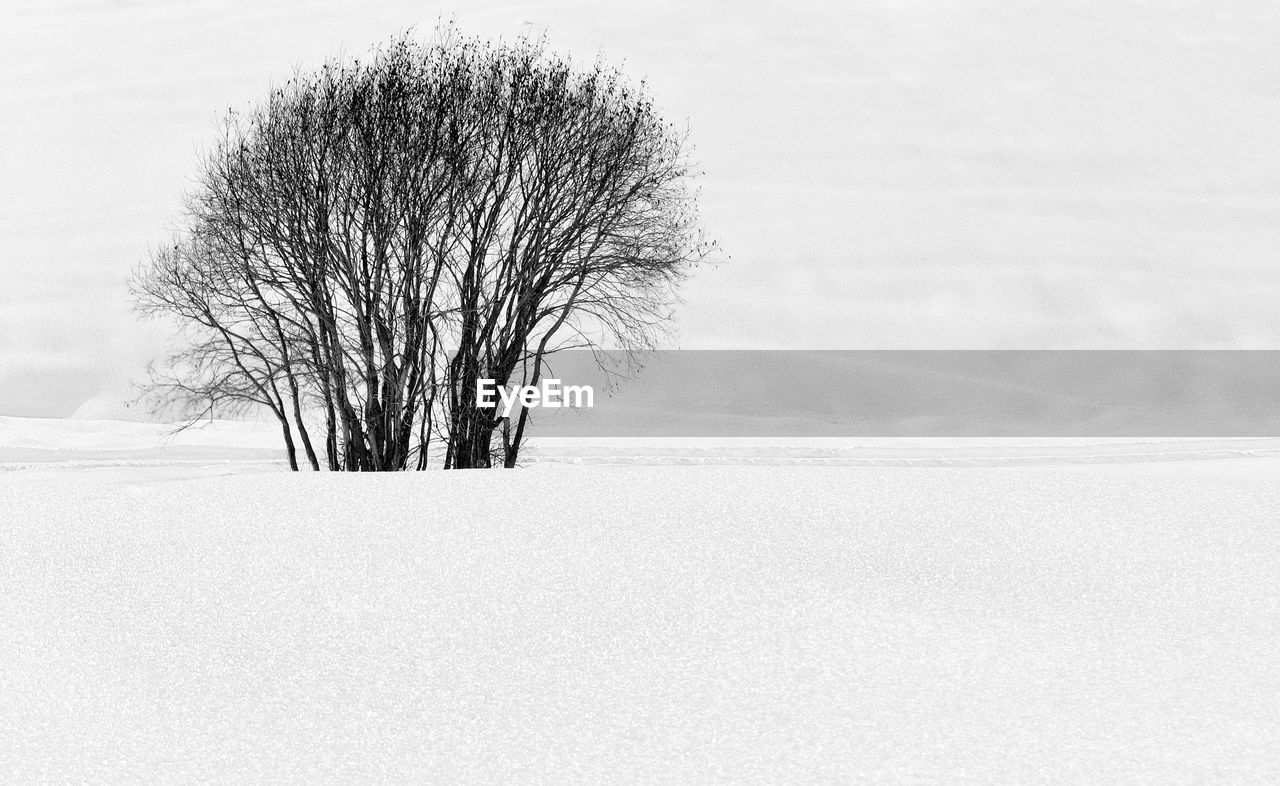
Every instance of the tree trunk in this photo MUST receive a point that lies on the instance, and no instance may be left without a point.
(288, 443)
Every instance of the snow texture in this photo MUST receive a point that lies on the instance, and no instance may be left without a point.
(222, 620)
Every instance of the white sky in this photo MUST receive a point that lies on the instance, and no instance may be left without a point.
(884, 174)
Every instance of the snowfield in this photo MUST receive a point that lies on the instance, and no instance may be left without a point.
(174, 610)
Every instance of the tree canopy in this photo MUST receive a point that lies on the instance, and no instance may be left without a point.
(379, 234)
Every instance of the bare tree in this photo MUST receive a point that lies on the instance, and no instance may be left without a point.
(578, 225)
(236, 354)
(376, 237)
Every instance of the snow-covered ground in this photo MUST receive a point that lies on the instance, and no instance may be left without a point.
(180, 608)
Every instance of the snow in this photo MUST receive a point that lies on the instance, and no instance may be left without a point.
(1095, 622)
(176, 607)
